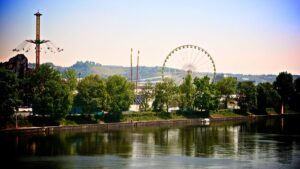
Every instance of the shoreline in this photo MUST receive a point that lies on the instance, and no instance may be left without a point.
(134, 124)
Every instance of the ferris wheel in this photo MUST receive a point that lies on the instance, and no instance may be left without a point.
(188, 59)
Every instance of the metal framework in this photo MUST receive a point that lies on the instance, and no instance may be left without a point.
(199, 50)
(25, 46)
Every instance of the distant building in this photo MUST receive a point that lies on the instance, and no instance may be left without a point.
(221, 76)
(232, 102)
(24, 111)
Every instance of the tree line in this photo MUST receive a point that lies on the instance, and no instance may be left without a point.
(200, 95)
(52, 95)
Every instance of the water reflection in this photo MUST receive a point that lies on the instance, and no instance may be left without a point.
(256, 144)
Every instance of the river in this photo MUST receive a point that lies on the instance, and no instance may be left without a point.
(267, 143)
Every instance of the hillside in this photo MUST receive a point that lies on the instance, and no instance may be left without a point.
(88, 67)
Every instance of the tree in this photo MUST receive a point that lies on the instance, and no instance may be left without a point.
(121, 95)
(295, 100)
(9, 97)
(246, 91)
(26, 91)
(171, 93)
(70, 80)
(267, 97)
(70, 77)
(284, 86)
(227, 86)
(92, 95)
(207, 97)
(146, 94)
(55, 100)
(51, 96)
(187, 94)
(159, 97)
(165, 94)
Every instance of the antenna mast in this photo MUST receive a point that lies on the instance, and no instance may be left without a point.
(131, 64)
(137, 72)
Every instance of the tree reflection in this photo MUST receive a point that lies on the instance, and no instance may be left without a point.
(264, 139)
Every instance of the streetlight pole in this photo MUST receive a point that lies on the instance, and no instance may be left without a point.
(16, 114)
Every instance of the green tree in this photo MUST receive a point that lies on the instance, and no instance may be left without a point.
(159, 97)
(70, 77)
(25, 91)
(246, 92)
(295, 100)
(92, 95)
(285, 87)
(51, 96)
(146, 94)
(187, 94)
(9, 97)
(70, 80)
(226, 87)
(165, 95)
(267, 97)
(172, 93)
(207, 97)
(121, 95)
(38, 80)
(54, 100)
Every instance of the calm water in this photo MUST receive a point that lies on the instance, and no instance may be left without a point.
(273, 143)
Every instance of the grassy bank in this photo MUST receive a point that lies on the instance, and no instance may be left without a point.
(148, 116)
(133, 117)
(222, 113)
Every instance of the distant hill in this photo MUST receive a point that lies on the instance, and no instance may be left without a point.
(88, 67)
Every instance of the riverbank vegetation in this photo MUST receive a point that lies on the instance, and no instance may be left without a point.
(61, 99)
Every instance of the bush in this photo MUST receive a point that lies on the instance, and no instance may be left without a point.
(81, 119)
(112, 117)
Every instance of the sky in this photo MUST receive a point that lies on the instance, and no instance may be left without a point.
(242, 36)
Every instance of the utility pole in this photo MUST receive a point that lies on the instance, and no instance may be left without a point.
(16, 119)
(131, 64)
(137, 72)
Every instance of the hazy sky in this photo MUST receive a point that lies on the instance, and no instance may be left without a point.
(243, 36)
